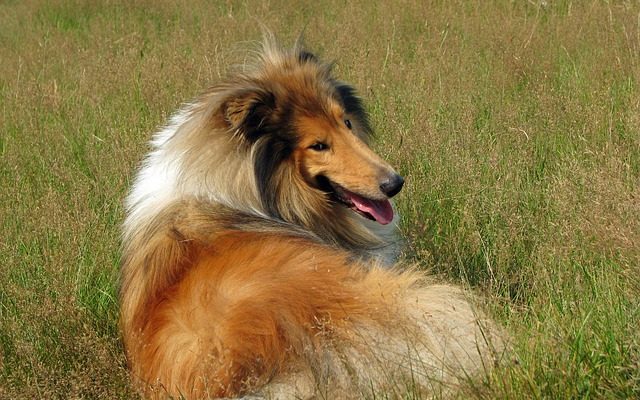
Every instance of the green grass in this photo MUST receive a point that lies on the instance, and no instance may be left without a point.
(517, 126)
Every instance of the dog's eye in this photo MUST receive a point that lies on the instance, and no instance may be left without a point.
(319, 146)
(347, 123)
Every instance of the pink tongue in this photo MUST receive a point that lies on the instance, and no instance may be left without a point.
(381, 210)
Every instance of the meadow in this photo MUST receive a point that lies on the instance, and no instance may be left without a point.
(516, 124)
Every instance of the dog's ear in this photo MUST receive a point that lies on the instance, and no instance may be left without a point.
(353, 106)
(248, 111)
(305, 56)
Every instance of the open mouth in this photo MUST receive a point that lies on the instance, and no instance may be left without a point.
(375, 210)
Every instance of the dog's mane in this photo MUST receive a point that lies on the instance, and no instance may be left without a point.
(230, 147)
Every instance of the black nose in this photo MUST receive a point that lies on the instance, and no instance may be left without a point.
(392, 185)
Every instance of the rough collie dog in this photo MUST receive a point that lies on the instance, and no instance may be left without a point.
(257, 250)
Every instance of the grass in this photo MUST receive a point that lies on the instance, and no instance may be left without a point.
(516, 123)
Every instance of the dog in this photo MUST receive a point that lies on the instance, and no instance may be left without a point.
(258, 251)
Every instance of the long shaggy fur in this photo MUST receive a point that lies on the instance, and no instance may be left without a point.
(246, 270)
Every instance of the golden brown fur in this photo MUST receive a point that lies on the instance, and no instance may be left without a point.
(246, 269)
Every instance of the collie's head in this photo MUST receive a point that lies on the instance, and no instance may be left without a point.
(307, 134)
(282, 139)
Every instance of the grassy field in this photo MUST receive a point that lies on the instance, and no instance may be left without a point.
(516, 123)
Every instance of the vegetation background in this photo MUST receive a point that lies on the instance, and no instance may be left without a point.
(516, 123)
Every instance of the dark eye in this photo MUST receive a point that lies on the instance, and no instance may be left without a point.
(319, 146)
(347, 123)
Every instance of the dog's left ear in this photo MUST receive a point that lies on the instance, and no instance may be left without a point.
(249, 111)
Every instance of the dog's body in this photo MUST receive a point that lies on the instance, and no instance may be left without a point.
(248, 264)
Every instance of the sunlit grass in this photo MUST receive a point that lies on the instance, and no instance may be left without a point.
(516, 124)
